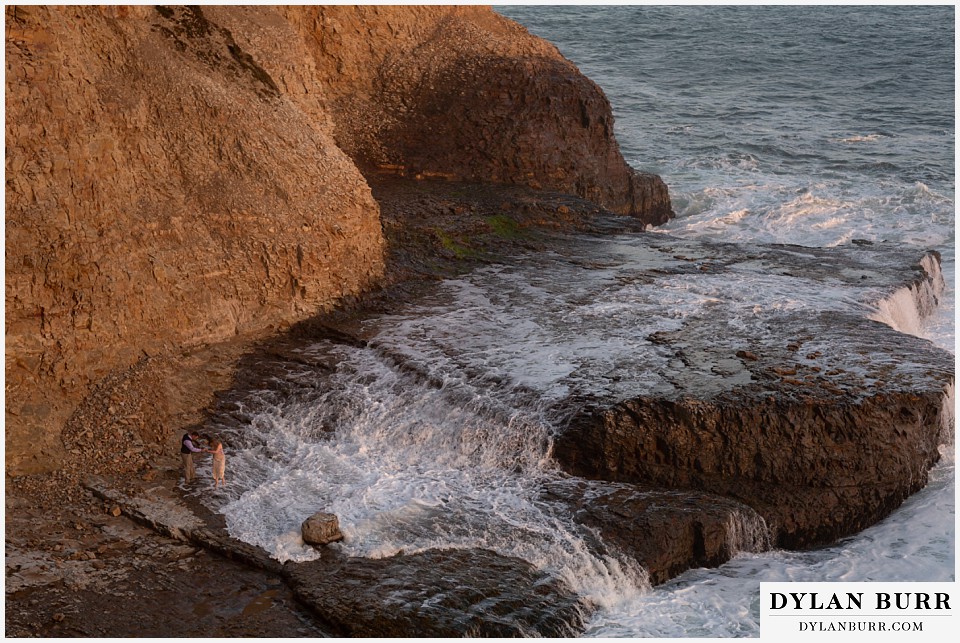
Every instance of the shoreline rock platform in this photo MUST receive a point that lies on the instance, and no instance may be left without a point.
(193, 192)
(822, 421)
(751, 439)
(641, 502)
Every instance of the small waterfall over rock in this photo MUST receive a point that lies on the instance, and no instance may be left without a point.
(906, 308)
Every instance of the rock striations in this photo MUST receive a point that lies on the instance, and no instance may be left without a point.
(177, 177)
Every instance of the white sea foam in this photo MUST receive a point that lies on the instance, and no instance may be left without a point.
(866, 138)
(433, 460)
(907, 309)
(411, 469)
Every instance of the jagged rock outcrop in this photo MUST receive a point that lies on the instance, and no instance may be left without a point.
(743, 419)
(499, 105)
(180, 176)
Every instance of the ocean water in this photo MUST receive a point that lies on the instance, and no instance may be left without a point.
(805, 125)
(808, 125)
(784, 124)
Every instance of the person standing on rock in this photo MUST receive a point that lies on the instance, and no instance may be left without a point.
(187, 449)
(219, 462)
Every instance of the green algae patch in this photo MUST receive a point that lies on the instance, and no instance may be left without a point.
(456, 246)
(504, 226)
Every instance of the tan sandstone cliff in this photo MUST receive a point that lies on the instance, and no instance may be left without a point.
(177, 177)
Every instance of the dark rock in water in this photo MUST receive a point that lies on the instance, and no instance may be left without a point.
(773, 415)
(824, 427)
(321, 529)
(666, 531)
(436, 593)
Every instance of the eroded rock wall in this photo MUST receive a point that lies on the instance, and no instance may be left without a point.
(180, 176)
(162, 192)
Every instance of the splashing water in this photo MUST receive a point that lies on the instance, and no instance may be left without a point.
(455, 453)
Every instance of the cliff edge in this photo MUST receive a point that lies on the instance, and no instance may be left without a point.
(179, 177)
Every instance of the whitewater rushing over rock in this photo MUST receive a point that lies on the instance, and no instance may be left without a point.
(453, 421)
(906, 308)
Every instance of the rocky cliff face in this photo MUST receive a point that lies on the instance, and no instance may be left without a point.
(178, 177)
(462, 93)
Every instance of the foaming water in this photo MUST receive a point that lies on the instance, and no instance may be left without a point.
(915, 543)
(410, 468)
(443, 421)
(444, 426)
(817, 126)
(908, 307)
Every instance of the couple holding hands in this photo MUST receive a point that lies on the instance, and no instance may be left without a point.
(189, 445)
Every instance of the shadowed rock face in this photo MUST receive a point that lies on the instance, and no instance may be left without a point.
(181, 176)
(462, 93)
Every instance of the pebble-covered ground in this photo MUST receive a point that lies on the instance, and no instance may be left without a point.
(76, 566)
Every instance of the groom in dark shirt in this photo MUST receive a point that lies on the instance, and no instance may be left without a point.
(187, 448)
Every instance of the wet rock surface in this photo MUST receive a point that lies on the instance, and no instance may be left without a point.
(81, 550)
(321, 528)
(781, 419)
(437, 593)
(823, 421)
(666, 531)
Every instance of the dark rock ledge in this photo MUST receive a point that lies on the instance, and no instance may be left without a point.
(436, 593)
(822, 421)
(473, 592)
(790, 429)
